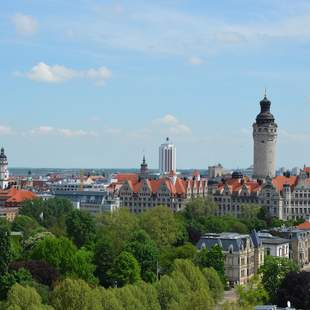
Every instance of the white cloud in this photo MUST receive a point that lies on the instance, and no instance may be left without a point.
(65, 132)
(24, 24)
(196, 61)
(5, 130)
(171, 125)
(43, 72)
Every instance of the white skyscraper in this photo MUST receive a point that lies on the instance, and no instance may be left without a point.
(167, 158)
(4, 172)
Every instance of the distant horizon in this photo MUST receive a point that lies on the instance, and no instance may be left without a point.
(87, 82)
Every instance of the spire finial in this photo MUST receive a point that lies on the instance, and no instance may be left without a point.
(265, 94)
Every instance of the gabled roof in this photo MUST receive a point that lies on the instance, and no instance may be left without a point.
(16, 195)
(122, 177)
(304, 226)
(280, 181)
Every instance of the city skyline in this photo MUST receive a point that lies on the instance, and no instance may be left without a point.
(85, 82)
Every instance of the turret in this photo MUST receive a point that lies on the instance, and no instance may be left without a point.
(265, 139)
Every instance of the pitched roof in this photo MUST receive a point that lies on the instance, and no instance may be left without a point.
(122, 177)
(280, 181)
(16, 195)
(235, 185)
(304, 226)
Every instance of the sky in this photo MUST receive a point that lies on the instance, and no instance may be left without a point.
(95, 83)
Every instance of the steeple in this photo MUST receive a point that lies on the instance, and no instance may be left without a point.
(144, 168)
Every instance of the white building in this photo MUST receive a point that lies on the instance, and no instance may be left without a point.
(167, 158)
(4, 172)
(215, 171)
(275, 246)
(265, 139)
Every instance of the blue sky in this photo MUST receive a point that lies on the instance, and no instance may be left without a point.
(94, 83)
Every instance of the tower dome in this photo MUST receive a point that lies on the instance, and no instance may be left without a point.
(237, 174)
(2, 154)
(265, 117)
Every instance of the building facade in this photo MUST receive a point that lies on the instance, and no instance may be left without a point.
(244, 254)
(167, 158)
(275, 246)
(284, 197)
(173, 192)
(299, 241)
(265, 139)
(215, 171)
(11, 200)
(4, 172)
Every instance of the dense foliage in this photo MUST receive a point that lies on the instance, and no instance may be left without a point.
(67, 259)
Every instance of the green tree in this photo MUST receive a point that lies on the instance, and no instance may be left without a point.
(108, 299)
(32, 241)
(118, 226)
(186, 251)
(58, 252)
(198, 300)
(168, 292)
(83, 266)
(193, 274)
(80, 227)
(49, 213)
(161, 225)
(215, 283)
(25, 224)
(128, 299)
(144, 249)
(273, 273)
(199, 208)
(252, 294)
(75, 294)
(126, 269)
(104, 256)
(5, 249)
(149, 291)
(63, 254)
(8, 279)
(25, 298)
(212, 258)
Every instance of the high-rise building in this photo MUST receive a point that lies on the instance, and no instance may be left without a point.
(4, 172)
(265, 139)
(167, 158)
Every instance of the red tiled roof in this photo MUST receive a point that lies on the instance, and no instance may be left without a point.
(235, 185)
(122, 177)
(16, 195)
(305, 225)
(307, 169)
(280, 181)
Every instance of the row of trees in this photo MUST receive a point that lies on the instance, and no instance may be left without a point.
(117, 252)
(187, 286)
(112, 254)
